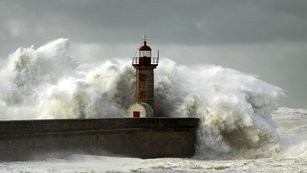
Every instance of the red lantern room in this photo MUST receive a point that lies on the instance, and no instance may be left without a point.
(145, 51)
(145, 56)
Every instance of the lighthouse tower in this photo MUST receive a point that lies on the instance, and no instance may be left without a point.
(144, 65)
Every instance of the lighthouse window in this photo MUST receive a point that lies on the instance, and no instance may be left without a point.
(145, 53)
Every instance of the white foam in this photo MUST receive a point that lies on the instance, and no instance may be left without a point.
(292, 127)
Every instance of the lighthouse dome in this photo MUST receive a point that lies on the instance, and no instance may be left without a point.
(145, 47)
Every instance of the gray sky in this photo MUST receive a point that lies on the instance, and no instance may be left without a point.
(264, 37)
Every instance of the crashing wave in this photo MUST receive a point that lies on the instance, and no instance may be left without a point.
(234, 107)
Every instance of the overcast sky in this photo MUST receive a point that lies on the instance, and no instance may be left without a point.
(264, 37)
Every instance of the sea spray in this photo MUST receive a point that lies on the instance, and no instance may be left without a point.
(103, 91)
(234, 107)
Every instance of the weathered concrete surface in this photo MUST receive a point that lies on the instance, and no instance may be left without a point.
(143, 137)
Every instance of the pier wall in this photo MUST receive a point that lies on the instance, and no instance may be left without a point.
(142, 137)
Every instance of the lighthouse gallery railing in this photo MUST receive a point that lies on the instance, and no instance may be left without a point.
(154, 61)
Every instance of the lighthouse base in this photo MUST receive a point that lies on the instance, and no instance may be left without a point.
(141, 137)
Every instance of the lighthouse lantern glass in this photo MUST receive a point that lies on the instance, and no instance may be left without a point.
(145, 53)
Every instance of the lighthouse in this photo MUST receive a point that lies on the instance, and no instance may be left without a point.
(144, 64)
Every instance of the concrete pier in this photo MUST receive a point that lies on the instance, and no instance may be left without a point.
(133, 137)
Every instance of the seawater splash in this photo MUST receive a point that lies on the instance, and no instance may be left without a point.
(47, 83)
(234, 107)
(27, 73)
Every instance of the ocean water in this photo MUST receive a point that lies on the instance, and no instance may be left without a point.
(242, 127)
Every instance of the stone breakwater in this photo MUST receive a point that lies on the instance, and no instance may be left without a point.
(143, 137)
